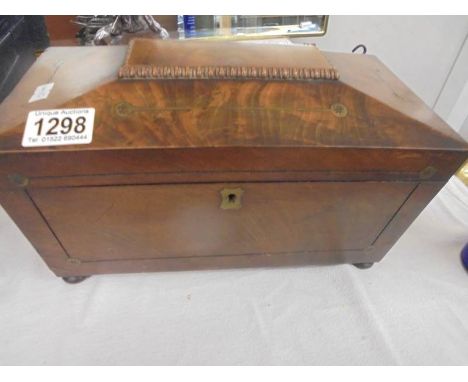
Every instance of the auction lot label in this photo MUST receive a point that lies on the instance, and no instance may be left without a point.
(57, 127)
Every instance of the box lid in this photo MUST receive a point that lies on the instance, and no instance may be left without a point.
(225, 95)
(197, 94)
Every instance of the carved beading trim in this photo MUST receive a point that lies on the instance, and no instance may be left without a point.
(144, 72)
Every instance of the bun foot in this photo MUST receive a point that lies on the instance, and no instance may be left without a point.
(74, 279)
(363, 265)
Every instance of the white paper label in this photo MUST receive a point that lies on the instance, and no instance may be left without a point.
(41, 92)
(58, 127)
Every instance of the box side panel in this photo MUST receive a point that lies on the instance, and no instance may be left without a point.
(22, 175)
(21, 208)
(161, 226)
(406, 214)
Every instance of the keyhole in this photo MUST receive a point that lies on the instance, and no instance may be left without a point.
(231, 198)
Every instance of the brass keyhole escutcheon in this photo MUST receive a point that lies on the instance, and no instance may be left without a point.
(231, 198)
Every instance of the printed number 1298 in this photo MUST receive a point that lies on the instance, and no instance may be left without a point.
(65, 126)
(59, 127)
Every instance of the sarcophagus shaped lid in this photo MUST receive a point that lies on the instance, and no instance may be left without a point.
(158, 95)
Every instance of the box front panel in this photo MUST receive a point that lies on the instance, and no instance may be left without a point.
(142, 222)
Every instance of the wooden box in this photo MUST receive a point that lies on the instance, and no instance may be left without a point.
(212, 155)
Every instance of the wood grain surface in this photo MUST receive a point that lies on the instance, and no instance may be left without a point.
(331, 171)
(123, 222)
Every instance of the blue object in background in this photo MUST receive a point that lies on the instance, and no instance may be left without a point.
(190, 28)
(464, 256)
